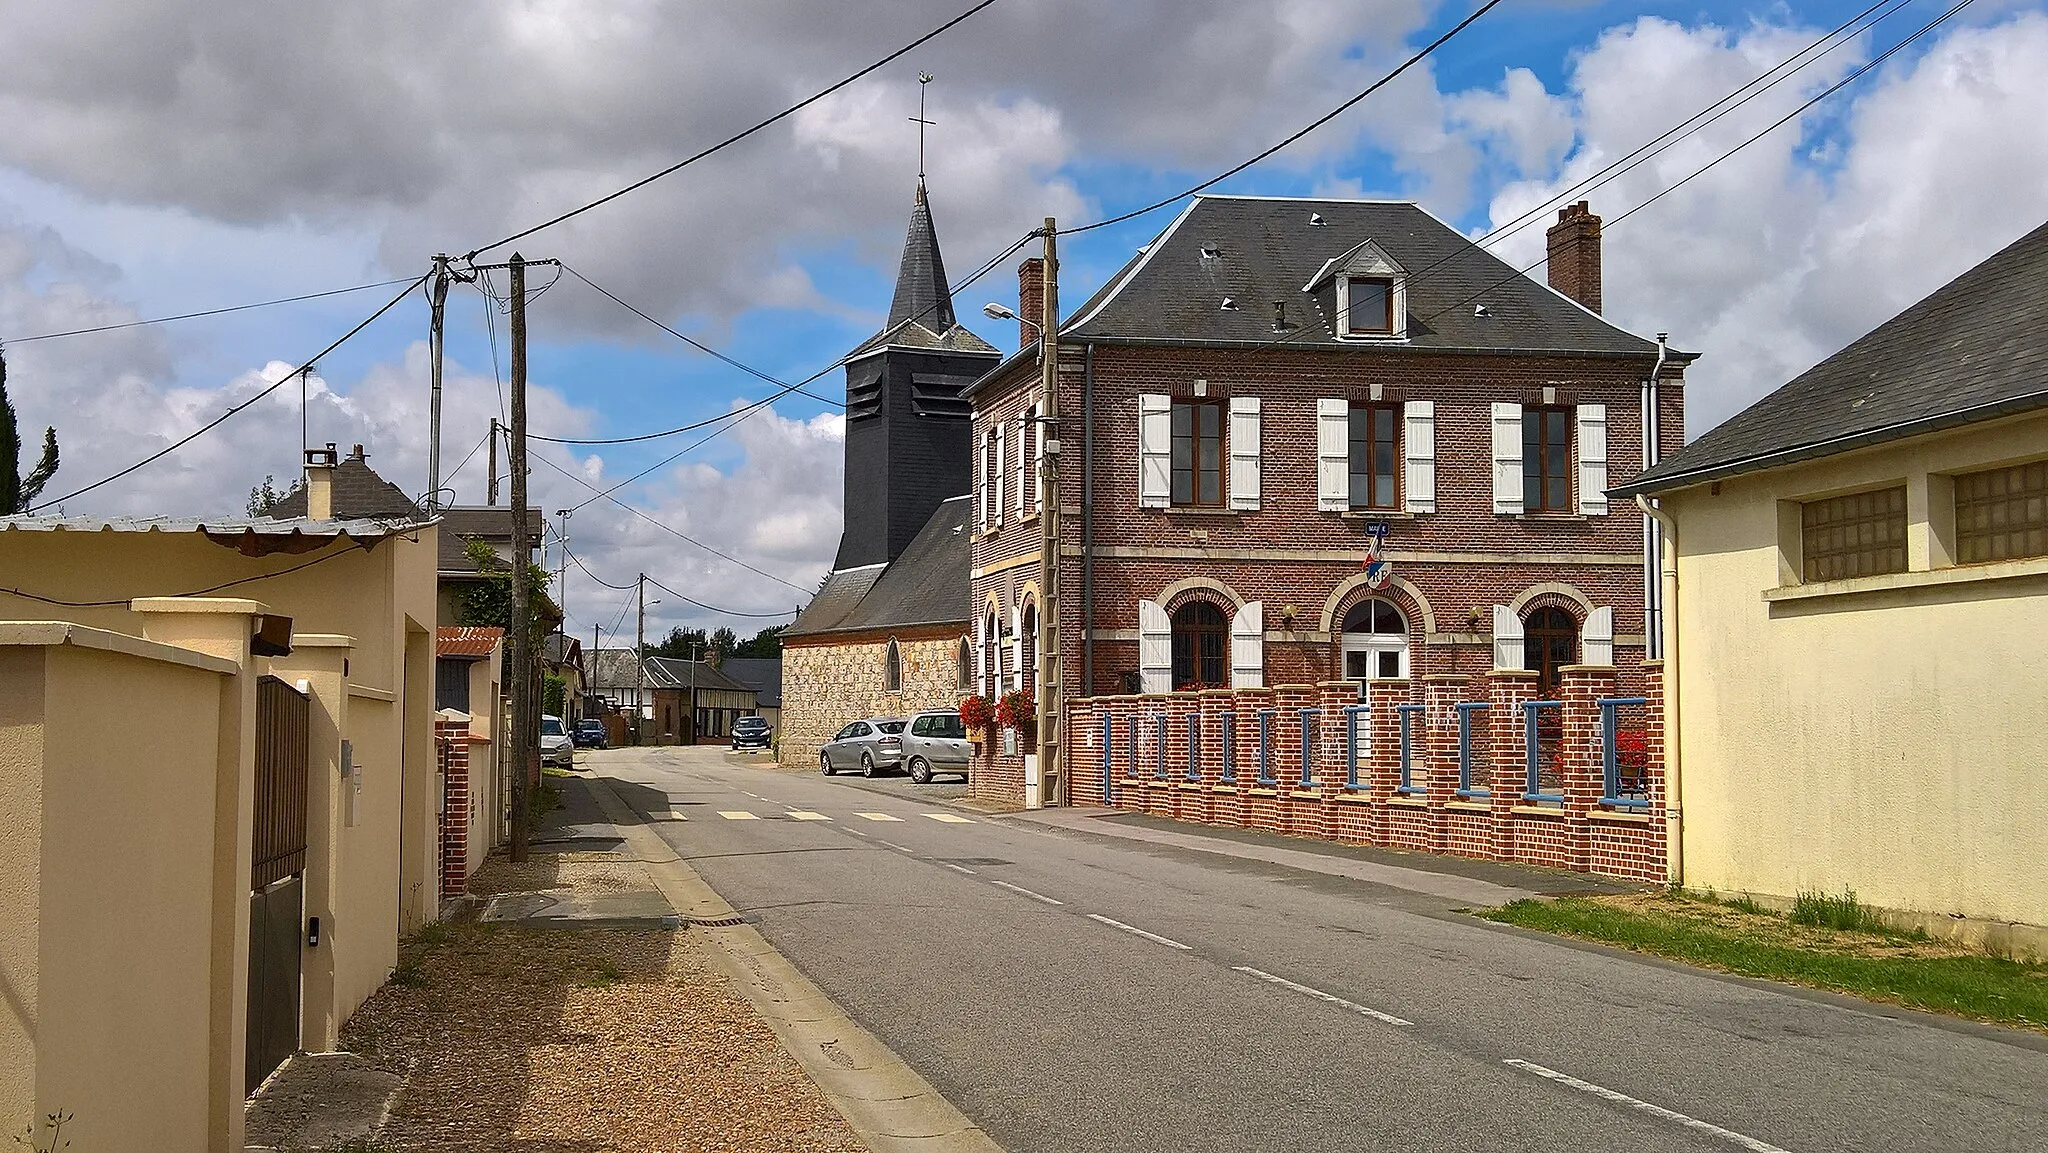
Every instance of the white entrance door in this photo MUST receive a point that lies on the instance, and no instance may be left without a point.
(1375, 641)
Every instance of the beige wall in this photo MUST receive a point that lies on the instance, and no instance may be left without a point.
(1887, 735)
(826, 685)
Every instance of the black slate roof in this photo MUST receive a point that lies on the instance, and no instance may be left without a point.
(1262, 250)
(489, 523)
(1974, 349)
(762, 674)
(921, 313)
(927, 585)
(677, 673)
(359, 494)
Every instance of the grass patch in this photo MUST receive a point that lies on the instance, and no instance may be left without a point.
(1834, 912)
(555, 771)
(1880, 965)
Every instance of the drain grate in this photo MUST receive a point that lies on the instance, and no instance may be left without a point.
(718, 923)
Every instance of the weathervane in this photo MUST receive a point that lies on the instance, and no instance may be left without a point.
(923, 79)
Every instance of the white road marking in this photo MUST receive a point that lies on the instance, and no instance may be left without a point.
(1607, 1094)
(1026, 892)
(1319, 995)
(955, 868)
(756, 796)
(675, 816)
(737, 815)
(1169, 942)
(895, 846)
(878, 816)
(805, 815)
(950, 818)
(855, 832)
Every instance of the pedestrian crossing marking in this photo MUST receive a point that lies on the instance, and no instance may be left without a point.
(950, 818)
(805, 815)
(675, 816)
(878, 816)
(737, 815)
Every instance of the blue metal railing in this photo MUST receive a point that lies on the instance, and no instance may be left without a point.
(1466, 709)
(1266, 776)
(1544, 786)
(1406, 713)
(1351, 715)
(1194, 746)
(1624, 773)
(1108, 734)
(1229, 774)
(1159, 745)
(1311, 738)
(1134, 746)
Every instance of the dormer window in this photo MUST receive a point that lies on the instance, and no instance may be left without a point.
(1371, 291)
(1369, 307)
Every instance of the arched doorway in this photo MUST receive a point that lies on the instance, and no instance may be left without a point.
(1550, 641)
(1375, 640)
(1201, 646)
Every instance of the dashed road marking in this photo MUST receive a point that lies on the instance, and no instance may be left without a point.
(756, 796)
(950, 818)
(1606, 1094)
(855, 832)
(737, 815)
(1155, 938)
(895, 846)
(1028, 893)
(805, 815)
(955, 868)
(1319, 995)
(675, 816)
(878, 816)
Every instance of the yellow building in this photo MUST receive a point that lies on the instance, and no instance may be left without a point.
(1858, 582)
(168, 688)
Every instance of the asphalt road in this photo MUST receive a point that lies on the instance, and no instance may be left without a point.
(1071, 991)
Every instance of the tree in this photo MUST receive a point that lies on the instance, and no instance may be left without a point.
(488, 603)
(683, 643)
(767, 644)
(723, 642)
(263, 497)
(18, 492)
(554, 695)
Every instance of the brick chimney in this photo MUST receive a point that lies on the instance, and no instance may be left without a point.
(1575, 254)
(1030, 300)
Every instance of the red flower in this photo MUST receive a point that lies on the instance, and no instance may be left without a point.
(977, 713)
(1016, 709)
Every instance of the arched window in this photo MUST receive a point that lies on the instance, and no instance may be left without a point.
(965, 660)
(1550, 641)
(1028, 651)
(892, 668)
(991, 654)
(1375, 639)
(1201, 646)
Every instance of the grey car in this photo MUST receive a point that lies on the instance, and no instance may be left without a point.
(936, 743)
(873, 746)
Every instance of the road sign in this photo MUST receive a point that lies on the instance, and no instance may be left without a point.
(1378, 529)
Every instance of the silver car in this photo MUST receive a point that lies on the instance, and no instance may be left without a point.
(556, 748)
(936, 743)
(873, 746)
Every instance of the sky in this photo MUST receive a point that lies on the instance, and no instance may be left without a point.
(173, 156)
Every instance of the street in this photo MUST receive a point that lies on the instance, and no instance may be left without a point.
(1076, 991)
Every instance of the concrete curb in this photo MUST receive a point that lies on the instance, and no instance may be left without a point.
(891, 1108)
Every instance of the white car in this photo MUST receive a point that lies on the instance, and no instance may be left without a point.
(556, 746)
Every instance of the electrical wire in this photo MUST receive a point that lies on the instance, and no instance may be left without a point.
(450, 479)
(207, 312)
(304, 366)
(742, 135)
(716, 609)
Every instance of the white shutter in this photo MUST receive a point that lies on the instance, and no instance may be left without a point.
(1155, 450)
(1418, 446)
(1155, 649)
(1507, 462)
(1039, 433)
(1596, 643)
(987, 439)
(981, 653)
(996, 474)
(1507, 639)
(1592, 419)
(1244, 453)
(1023, 458)
(1016, 678)
(1248, 647)
(1333, 454)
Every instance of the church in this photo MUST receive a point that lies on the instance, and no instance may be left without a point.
(886, 634)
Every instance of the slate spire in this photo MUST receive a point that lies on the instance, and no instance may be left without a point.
(921, 278)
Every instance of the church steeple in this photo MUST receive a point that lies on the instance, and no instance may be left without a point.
(921, 276)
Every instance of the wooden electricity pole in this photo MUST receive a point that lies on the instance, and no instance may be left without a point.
(1052, 701)
(525, 725)
(491, 491)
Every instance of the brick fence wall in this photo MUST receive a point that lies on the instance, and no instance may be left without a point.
(1342, 778)
(451, 739)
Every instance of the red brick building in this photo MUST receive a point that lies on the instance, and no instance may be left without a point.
(1269, 386)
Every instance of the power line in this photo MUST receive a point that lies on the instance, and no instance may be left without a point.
(742, 135)
(208, 312)
(715, 608)
(305, 366)
(1332, 114)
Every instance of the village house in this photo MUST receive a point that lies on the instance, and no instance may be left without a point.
(886, 634)
(1308, 441)
(1859, 564)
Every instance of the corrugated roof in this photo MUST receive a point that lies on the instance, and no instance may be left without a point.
(251, 536)
(1974, 349)
(927, 585)
(467, 641)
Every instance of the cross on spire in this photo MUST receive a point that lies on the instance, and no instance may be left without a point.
(923, 79)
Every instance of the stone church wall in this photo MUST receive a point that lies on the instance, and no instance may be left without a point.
(826, 685)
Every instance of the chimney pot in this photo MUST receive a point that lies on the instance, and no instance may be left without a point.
(1574, 252)
(320, 483)
(1030, 300)
(359, 454)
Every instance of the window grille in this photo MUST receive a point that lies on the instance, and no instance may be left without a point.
(1862, 534)
(2002, 513)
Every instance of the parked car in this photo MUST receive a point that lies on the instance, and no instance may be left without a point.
(873, 746)
(751, 733)
(936, 742)
(556, 748)
(590, 734)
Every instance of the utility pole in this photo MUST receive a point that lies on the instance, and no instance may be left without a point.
(491, 490)
(525, 724)
(437, 341)
(1051, 779)
(640, 658)
(698, 647)
(562, 596)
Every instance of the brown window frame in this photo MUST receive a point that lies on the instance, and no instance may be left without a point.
(1352, 327)
(2002, 513)
(1551, 639)
(1538, 470)
(1375, 414)
(1187, 646)
(1839, 536)
(1193, 442)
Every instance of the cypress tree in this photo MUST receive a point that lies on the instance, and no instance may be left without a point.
(18, 492)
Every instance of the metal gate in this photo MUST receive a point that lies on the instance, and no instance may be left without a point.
(276, 876)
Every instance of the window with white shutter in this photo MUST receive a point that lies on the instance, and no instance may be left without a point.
(1592, 430)
(1507, 625)
(1507, 471)
(1155, 648)
(1596, 641)
(1155, 450)
(1244, 453)
(1038, 434)
(981, 655)
(1418, 448)
(1333, 454)
(996, 475)
(1248, 647)
(1016, 678)
(1024, 460)
(988, 472)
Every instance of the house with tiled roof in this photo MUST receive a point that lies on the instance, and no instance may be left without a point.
(1859, 565)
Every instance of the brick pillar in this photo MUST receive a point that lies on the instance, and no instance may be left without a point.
(1261, 807)
(1383, 771)
(1506, 690)
(1579, 756)
(451, 742)
(1188, 804)
(1295, 814)
(1083, 734)
(1441, 693)
(1653, 730)
(1117, 754)
(1226, 803)
(1158, 793)
(1342, 820)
